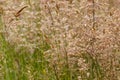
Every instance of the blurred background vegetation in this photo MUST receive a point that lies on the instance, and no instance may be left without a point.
(59, 40)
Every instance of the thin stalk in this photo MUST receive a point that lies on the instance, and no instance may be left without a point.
(50, 13)
(55, 71)
(93, 13)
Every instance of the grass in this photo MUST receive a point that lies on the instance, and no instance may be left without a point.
(25, 66)
(54, 41)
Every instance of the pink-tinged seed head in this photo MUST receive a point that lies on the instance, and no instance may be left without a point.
(44, 1)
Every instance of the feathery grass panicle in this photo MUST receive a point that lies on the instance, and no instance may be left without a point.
(59, 40)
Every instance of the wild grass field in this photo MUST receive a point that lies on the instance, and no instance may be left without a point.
(59, 39)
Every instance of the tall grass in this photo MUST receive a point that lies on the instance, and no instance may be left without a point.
(59, 40)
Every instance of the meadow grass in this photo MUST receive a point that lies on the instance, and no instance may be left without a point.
(48, 41)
